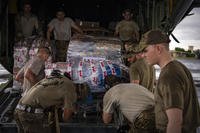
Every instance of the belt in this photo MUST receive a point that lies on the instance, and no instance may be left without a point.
(30, 109)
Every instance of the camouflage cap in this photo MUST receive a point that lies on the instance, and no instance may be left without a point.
(132, 50)
(56, 73)
(153, 37)
(59, 73)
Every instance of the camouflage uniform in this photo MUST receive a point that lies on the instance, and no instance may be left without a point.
(32, 109)
(32, 123)
(127, 30)
(131, 100)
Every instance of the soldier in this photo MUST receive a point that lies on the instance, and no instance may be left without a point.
(27, 23)
(51, 93)
(33, 70)
(128, 31)
(176, 103)
(132, 101)
(140, 72)
(61, 26)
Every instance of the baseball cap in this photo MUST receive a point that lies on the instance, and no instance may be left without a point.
(153, 37)
(58, 73)
(132, 50)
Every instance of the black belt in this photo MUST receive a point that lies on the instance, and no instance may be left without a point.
(29, 109)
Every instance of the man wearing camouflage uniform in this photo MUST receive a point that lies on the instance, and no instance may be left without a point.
(31, 113)
(140, 72)
(135, 103)
(128, 31)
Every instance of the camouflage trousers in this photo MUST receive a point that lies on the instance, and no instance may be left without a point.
(31, 122)
(60, 49)
(134, 130)
(144, 122)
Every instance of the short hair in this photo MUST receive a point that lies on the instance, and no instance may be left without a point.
(45, 49)
(112, 80)
(127, 10)
(166, 45)
(61, 9)
(27, 3)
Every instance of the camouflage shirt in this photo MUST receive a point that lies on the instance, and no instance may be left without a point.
(51, 91)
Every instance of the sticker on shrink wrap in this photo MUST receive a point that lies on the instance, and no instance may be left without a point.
(20, 56)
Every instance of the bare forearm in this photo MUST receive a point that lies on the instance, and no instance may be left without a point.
(173, 127)
(79, 30)
(67, 113)
(135, 81)
(49, 31)
(30, 76)
(174, 120)
(116, 33)
(107, 118)
(18, 78)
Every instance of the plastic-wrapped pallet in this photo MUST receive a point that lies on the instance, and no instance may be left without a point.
(25, 49)
(91, 71)
(90, 59)
(20, 58)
